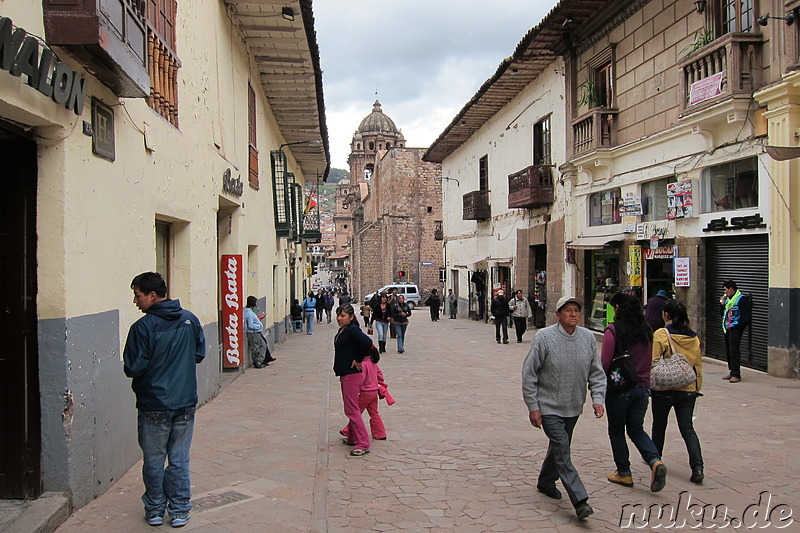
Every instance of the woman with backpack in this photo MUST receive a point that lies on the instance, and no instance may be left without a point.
(626, 405)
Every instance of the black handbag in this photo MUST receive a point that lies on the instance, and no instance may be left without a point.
(622, 375)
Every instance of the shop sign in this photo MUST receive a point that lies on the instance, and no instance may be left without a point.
(702, 90)
(647, 230)
(660, 252)
(680, 200)
(102, 130)
(635, 262)
(19, 54)
(736, 223)
(630, 205)
(232, 312)
(231, 185)
(681, 265)
(628, 224)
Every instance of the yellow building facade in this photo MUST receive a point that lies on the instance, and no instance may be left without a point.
(140, 141)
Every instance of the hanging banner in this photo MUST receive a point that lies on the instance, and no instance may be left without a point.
(635, 259)
(681, 271)
(232, 311)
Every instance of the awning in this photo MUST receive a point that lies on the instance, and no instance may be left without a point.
(783, 153)
(466, 263)
(595, 242)
(472, 261)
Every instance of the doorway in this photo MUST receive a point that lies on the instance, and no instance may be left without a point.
(20, 445)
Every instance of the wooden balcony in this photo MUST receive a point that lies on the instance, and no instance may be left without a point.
(438, 231)
(724, 69)
(531, 187)
(109, 37)
(476, 206)
(596, 129)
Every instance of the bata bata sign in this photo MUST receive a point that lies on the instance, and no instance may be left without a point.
(232, 311)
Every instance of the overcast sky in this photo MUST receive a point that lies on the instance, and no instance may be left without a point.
(426, 58)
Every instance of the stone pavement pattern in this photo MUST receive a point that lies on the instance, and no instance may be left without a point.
(461, 455)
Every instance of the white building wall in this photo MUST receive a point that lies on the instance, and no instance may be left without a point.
(507, 139)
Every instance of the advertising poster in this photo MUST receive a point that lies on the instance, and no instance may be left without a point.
(231, 290)
(635, 259)
(681, 271)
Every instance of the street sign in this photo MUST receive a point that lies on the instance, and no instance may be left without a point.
(427, 263)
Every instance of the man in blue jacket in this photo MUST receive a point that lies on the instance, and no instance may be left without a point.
(160, 354)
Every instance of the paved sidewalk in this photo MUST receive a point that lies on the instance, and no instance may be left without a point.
(461, 455)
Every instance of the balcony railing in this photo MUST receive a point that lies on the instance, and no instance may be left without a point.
(438, 232)
(163, 69)
(596, 129)
(476, 206)
(531, 187)
(725, 68)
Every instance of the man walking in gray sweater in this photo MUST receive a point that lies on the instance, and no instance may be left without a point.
(562, 359)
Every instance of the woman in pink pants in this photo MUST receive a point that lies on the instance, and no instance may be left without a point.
(351, 346)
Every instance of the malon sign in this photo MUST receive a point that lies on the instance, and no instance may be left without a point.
(232, 311)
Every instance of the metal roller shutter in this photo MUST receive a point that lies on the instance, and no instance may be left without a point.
(744, 259)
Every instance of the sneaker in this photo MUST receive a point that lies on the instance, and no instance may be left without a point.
(659, 478)
(505, 342)
(734, 379)
(347, 442)
(550, 492)
(180, 521)
(727, 377)
(358, 452)
(625, 481)
(379, 438)
(583, 510)
(155, 520)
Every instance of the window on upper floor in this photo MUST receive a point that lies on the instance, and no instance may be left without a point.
(731, 186)
(252, 139)
(163, 62)
(597, 90)
(736, 16)
(604, 81)
(604, 208)
(541, 142)
(654, 199)
(483, 173)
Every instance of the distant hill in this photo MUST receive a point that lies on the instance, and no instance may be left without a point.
(337, 174)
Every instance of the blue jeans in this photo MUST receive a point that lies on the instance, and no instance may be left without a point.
(683, 402)
(382, 328)
(166, 435)
(309, 322)
(400, 331)
(626, 412)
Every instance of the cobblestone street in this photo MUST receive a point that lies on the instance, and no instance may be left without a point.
(461, 455)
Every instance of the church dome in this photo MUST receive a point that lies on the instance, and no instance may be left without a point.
(377, 122)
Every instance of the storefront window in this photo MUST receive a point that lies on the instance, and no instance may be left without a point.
(654, 199)
(731, 186)
(604, 208)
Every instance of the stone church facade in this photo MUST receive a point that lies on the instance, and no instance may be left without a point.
(393, 206)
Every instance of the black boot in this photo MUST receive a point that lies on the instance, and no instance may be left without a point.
(382, 346)
(697, 475)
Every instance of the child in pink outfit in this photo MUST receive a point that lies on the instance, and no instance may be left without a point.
(368, 395)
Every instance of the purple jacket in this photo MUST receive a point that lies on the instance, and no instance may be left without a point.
(641, 356)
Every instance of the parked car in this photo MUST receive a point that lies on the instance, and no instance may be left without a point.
(409, 290)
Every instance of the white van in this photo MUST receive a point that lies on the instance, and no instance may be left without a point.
(409, 290)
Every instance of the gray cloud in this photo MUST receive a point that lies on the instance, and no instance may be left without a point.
(425, 58)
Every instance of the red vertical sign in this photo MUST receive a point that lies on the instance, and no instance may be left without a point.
(232, 311)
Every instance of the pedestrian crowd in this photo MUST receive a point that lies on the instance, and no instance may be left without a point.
(646, 353)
